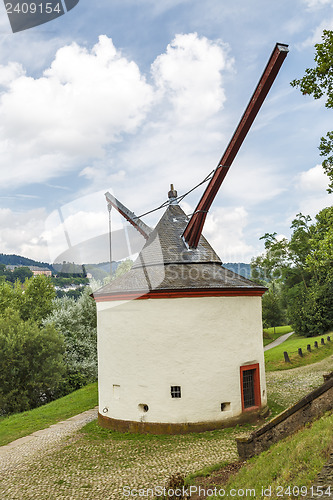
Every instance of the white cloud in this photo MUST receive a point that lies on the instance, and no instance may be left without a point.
(311, 205)
(83, 102)
(21, 233)
(317, 33)
(253, 183)
(294, 25)
(312, 185)
(181, 140)
(9, 73)
(87, 100)
(78, 231)
(316, 4)
(189, 73)
(74, 231)
(314, 179)
(224, 229)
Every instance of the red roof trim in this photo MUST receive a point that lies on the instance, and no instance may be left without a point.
(174, 294)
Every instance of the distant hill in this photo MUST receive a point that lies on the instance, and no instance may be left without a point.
(239, 268)
(99, 271)
(18, 260)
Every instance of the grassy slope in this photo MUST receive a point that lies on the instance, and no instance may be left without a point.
(275, 360)
(22, 424)
(294, 462)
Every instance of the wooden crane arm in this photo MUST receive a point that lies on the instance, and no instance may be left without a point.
(130, 216)
(194, 227)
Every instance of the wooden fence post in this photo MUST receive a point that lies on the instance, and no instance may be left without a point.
(286, 357)
(308, 347)
(300, 352)
(322, 341)
(316, 344)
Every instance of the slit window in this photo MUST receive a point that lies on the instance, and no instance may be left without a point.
(176, 391)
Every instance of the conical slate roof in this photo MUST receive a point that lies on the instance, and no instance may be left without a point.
(166, 267)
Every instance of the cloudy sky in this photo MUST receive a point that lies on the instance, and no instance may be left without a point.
(130, 96)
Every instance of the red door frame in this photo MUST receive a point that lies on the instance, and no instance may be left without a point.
(256, 379)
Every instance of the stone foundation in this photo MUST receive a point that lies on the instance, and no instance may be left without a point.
(181, 428)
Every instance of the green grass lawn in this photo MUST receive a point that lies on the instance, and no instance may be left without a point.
(294, 461)
(274, 359)
(23, 424)
(270, 336)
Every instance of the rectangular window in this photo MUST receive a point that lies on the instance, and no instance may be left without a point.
(250, 386)
(225, 406)
(176, 391)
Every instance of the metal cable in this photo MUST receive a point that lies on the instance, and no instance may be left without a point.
(182, 196)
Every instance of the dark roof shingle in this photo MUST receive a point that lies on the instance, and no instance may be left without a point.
(165, 263)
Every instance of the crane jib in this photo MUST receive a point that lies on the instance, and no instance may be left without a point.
(193, 230)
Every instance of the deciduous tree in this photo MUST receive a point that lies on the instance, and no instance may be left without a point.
(38, 298)
(76, 322)
(31, 363)
(305, 273)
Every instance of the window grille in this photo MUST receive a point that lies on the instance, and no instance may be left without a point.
(176, 391)
(248, 388)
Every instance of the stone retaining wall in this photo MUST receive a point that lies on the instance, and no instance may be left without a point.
(306, 410)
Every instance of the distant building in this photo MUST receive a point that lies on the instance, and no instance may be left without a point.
(12, 267)
(34, 269)
(40, 270)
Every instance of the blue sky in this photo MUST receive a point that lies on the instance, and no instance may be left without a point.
(131, 96)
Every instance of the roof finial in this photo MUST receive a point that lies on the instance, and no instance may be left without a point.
(172, 194)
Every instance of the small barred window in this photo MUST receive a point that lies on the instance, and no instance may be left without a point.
(176, 391)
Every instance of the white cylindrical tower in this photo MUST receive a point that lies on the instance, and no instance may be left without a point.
(179, 339)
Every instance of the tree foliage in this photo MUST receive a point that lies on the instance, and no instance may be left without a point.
(273, 313)
(302, 270)
(31, 363)
(20, 273)
(48, 346)
(11, 296)
(38, 294)
(33, 300)
(76, 321)
(318, 82)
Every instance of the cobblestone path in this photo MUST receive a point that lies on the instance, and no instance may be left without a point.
(63, 463)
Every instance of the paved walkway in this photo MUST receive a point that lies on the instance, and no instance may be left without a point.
(39, 443)
(278, 341)
(74, 467)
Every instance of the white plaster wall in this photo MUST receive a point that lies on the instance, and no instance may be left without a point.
(146, 346)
